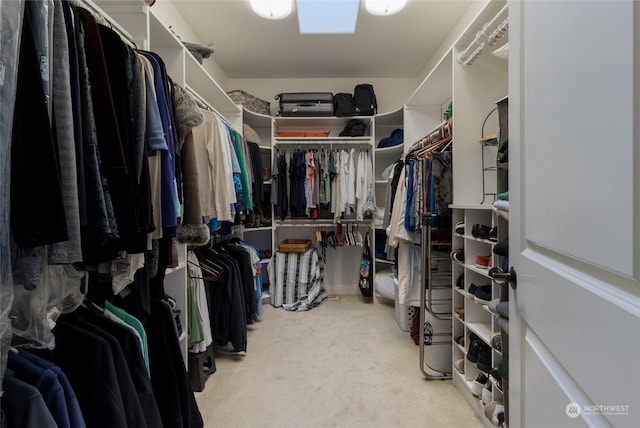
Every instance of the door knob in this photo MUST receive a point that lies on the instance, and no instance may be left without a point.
(501, 277)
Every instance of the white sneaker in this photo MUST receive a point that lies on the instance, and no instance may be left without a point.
(486, 393)
(478, 384)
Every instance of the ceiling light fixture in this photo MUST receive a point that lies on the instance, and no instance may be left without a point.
(272, 9)
(384, 7)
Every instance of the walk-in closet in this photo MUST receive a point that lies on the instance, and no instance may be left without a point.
(251, 213)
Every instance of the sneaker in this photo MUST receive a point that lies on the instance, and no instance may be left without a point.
(478, 384)
(480, 231)
(496, 341)
(493, 234)
(474, 348)
(486, 395)
(473, 289)
(460, 281)
(459, 365)
(494, 376)
(484, 357)
(460, 311)
(494, 411)
(482, 294)
(458, 255)
(459, 228)
(484, 262)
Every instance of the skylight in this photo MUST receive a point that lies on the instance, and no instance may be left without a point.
(327, 16)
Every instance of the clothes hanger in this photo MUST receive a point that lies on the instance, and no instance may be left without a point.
(358, 237)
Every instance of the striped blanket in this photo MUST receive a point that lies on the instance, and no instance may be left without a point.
(295, 283)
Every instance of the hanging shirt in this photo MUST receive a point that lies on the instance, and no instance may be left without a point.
(133, 322)
(170, 203)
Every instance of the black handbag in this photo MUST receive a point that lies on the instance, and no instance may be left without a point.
(364, 282)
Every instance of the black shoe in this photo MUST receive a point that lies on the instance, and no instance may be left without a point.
(484, 357)
(460, 281)
(481, 231)
(458, 255)
(502, 248)
(474, 347)
(493, 234)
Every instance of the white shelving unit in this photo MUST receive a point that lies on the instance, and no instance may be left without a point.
(385, 124)
(473, 91)
(477, 318)
(342, 263)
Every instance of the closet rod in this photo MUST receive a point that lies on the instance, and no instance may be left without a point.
(209, 106)
(101, 15)
(448, 132)
(476, 44)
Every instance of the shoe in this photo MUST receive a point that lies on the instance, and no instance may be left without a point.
(484, 357)
(482, 294)
(266, 176)
(473, 289)
(459, 228)
(460, 281)
(458, 255)
(459, 365)
(496, 341)
(474, 348)
(494, 376)
(486, 395)
(459, 340)
(502, 248)
(494, 411)
(478, 384)
(484, 262)
(493, 234)
(460, 311)
(480, 231)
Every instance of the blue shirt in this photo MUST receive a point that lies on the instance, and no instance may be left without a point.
(76, 420)
(167, 158)
(46, 381)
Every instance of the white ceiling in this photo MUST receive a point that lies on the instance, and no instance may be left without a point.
(247, 46)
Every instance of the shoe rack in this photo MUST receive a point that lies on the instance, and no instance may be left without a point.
(475, 349)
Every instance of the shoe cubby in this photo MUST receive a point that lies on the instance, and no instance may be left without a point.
(472, 317)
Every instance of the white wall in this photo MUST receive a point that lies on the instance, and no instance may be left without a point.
(391, 93)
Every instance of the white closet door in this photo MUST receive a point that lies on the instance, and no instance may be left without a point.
(574, 99)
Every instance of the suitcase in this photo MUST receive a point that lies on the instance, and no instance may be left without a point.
(305, 104)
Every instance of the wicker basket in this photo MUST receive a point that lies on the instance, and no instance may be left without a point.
(294, 245)
(250, 102)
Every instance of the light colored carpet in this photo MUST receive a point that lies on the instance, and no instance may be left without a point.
(343, 364)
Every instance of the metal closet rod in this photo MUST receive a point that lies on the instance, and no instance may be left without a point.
(467, 56)
(208, 106)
